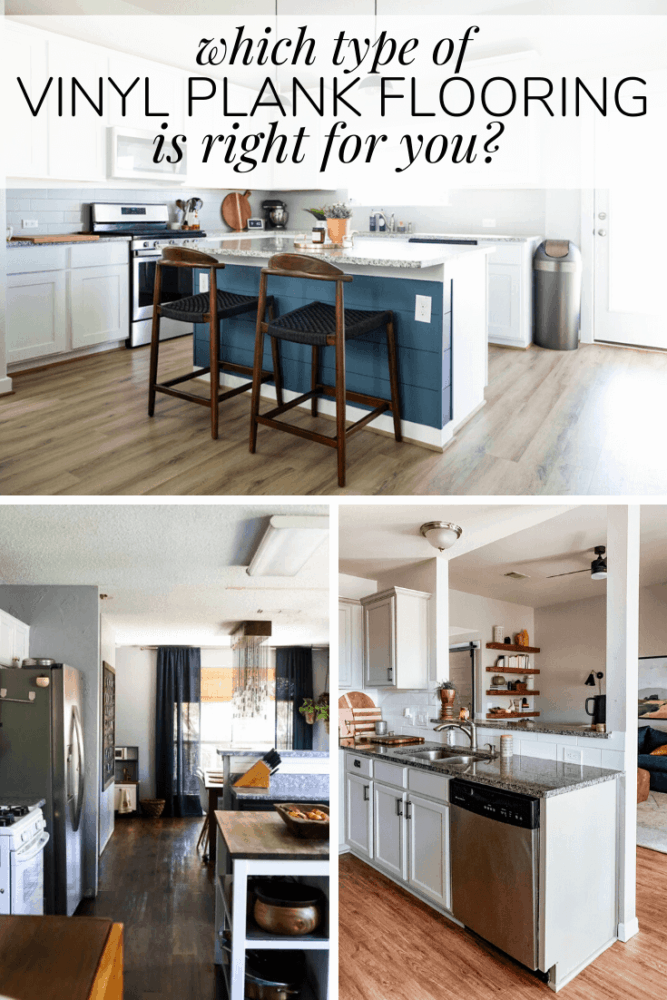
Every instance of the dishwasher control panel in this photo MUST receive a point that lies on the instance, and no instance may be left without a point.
(503, 807)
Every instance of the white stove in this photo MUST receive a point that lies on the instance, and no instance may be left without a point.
(23, 838)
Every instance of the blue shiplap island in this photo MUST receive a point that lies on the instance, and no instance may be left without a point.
(442, 363)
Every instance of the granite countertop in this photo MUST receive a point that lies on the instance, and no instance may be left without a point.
(254, 234)
(69, 243)
(528, 726)
(525, 775)
(289, 788)
(283, 753)
(367, 252)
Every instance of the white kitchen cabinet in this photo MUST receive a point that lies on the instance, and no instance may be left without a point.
(428, 849)
(76, 142)
(99, 304)
(396, 639)
(510, 292)
(36, 314)
(24, 58)
(14, 639)
(389, 829)
(359, 814)
(350, 643)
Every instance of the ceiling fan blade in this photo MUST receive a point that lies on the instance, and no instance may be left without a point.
(571, 573)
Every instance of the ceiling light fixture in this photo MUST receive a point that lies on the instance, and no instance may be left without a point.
(287, 545)
(441, 534)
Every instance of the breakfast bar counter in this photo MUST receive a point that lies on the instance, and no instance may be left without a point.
(438, 294)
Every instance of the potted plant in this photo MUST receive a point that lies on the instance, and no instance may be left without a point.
(308, 710)
(337, 217)
(447, 692)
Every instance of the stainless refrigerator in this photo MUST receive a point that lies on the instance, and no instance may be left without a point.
(42, 755)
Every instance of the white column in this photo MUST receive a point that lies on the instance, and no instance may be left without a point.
(441, 609)
(622, 687)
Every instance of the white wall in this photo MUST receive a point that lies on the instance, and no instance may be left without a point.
(108, 655)
(653, 621)
(135, 709)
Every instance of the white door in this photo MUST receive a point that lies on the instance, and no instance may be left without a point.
(428, 849)
(99, 304)
(389, 829)
(36, 315)
(379, 643)
(359, 814)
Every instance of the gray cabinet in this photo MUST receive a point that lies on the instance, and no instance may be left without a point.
(396, 639)
(359, 814)
(389, 829)
(350, 644)
(428, 849)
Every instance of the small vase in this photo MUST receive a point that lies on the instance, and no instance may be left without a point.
(310, 718)
(447, 696)
(337, 229)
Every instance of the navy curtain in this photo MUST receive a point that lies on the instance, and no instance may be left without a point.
(177, 730)
(294, 682)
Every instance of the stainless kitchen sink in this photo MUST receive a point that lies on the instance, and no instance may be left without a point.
(453, 754)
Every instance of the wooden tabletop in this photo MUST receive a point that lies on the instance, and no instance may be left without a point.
(263, 836)
(50, 957)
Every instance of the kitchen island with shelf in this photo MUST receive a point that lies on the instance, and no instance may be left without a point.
(442, 357)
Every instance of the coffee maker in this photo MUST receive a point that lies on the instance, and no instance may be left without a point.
(275, 214)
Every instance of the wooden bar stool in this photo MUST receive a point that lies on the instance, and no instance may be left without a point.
(321, 325)
(206, 307)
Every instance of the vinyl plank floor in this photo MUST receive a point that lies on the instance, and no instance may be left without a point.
(393, 947)
(586, 422)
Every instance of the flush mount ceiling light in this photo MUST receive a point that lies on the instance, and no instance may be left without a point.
(441, 534)
(287, 545)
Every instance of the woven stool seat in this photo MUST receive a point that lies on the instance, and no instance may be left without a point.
(315, 322)
(195, 307)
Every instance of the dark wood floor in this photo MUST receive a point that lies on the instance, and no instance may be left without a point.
(153, 882)
(394, 947)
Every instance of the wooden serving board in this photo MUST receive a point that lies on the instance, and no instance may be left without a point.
(347, 703)
(236, 210)
(69, 238)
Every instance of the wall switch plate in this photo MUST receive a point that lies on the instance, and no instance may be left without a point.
(30, 223)
(572, 755)
(204, 283)
(423, 308)
(489, 223)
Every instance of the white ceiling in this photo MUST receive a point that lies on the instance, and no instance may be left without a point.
(173, 573)
(560, 545)
(376, 538)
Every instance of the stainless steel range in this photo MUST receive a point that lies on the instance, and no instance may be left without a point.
(148, 225)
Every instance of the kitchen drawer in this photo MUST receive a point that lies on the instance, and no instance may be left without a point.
(95, 254)
(425, 783)
(22, 260)
(391, 774)
(504, 253)
(359, 765)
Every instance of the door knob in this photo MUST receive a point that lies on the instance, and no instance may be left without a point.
(602, 215)
(602, 232)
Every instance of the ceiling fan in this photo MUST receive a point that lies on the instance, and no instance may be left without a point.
(598, 568)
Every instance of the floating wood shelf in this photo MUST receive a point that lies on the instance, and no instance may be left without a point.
(514, 694)
(509, 648)
(517, 670)
(514, 715)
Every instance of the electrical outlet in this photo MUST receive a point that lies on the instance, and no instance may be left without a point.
(30, 223)
(423, 308)
(203, 283)
(572, 755)
(489, 223)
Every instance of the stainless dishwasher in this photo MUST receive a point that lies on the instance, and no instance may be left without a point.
(495, 866)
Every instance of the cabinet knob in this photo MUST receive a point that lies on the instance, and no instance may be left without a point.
(357, 763)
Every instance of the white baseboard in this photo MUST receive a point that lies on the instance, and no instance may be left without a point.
(627, 931)
(50, 359)
(5, 386)
(344, 849)
(520, 345)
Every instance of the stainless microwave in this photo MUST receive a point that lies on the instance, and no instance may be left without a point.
(131, 152)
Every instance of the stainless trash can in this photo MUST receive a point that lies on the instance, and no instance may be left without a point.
(557, 295)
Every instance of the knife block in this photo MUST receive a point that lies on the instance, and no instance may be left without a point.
(256, 777)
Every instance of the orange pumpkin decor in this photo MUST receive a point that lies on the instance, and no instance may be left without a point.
(521, 638)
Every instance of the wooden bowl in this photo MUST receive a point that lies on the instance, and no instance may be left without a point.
(310, 829)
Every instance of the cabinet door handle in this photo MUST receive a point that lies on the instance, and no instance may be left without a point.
(389, 673)
(366, 795)
(408, 810)
(399, 803)
(357, 763)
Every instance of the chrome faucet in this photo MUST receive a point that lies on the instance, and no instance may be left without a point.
(388, 226)
(467, 728)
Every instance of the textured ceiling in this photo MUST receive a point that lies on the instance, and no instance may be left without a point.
(173, 572)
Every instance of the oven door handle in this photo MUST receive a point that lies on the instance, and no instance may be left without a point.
(32, 849)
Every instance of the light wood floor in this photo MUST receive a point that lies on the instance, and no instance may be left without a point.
(394, 947)
(584, 422)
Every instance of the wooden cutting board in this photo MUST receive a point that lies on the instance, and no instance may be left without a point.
(69, 238)
(236, 210)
